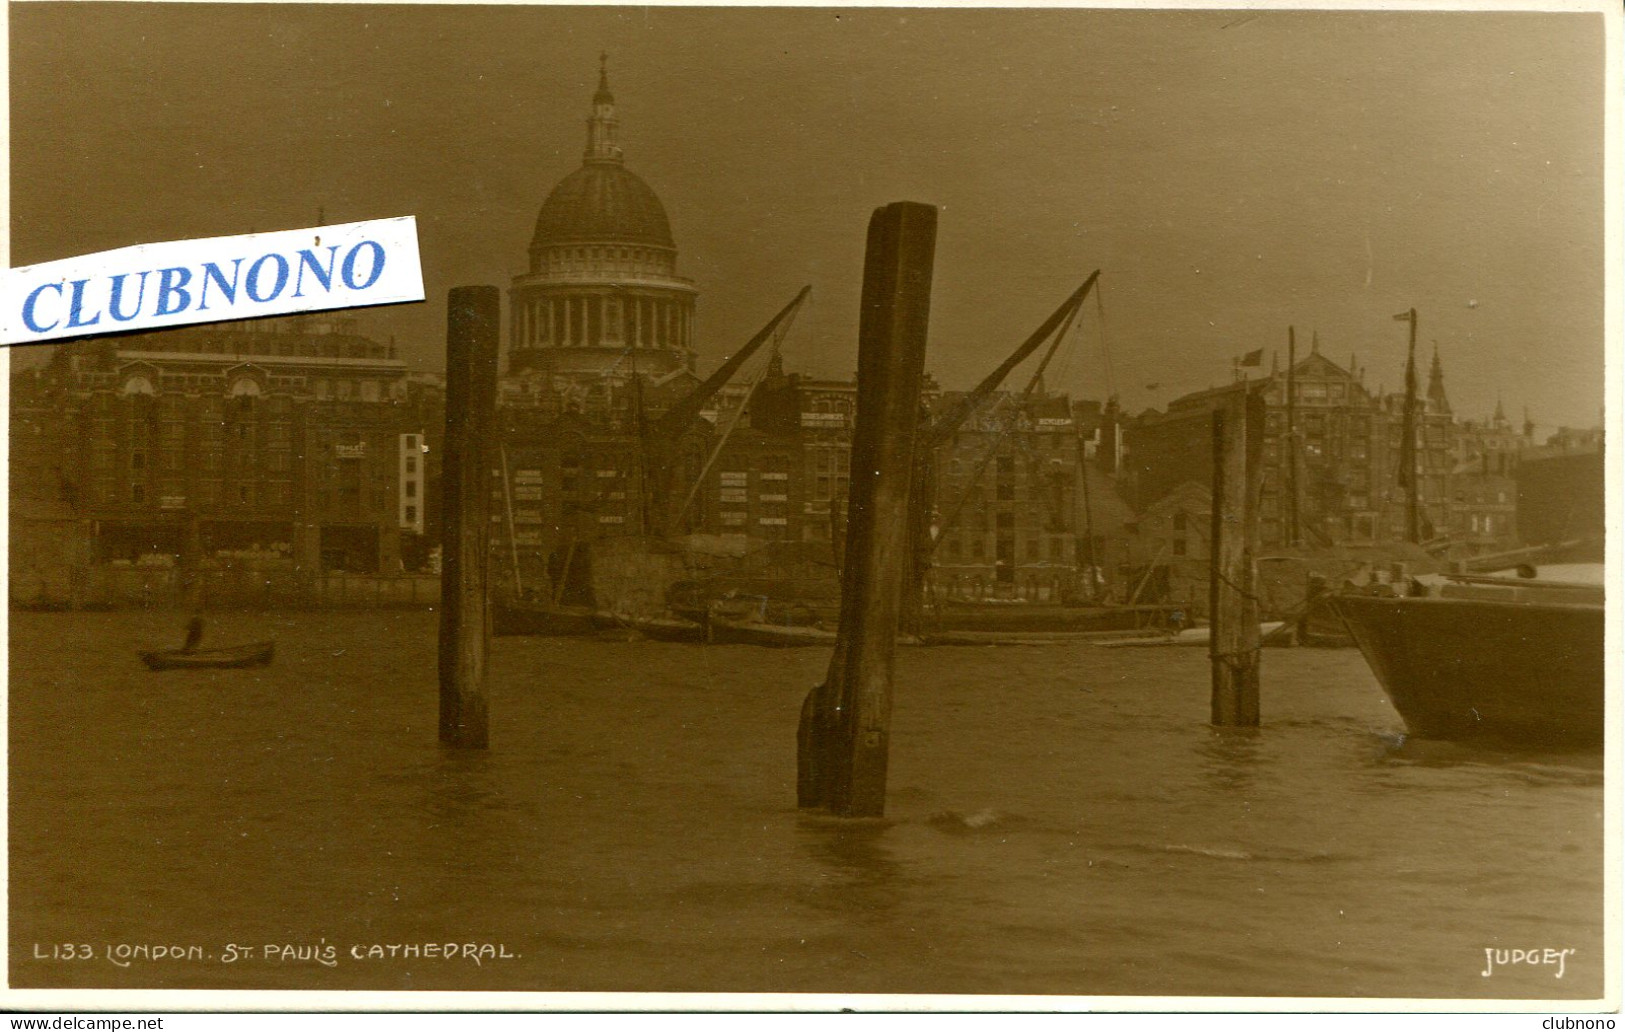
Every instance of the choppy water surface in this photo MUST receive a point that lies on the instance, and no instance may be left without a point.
(1060, 820)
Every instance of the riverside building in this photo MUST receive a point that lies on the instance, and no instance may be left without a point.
(293, 446)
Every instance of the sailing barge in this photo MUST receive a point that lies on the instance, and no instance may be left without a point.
(1512, 662)
(1517, 661)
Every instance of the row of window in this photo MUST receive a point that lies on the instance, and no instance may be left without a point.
(1034, 549)
(180, 393)
(346, 389)
(172, 387)
(274, 435)
(172, 494)
(145, 406)
(841, 405)
(104, 459)
(289, 345)
(600, 253)
(1317, 392)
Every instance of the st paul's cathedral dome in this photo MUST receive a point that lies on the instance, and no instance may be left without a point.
(602, 292)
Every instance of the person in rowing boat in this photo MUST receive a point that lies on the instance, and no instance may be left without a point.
(194, 633)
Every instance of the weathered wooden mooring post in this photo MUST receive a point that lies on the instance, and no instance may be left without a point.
(844, 737)
(472, 328)
(1238, 479)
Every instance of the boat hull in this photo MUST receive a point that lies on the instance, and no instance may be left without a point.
(1047, 619)
(956, 638)
(1191, 637)
(658, 628)
(510, 618)
(670, 630)
(745, 632)
(1516, 673)
(257, 654)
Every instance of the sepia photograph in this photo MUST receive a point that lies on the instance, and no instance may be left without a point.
(920, 503)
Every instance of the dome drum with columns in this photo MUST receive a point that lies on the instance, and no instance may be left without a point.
(603, 280)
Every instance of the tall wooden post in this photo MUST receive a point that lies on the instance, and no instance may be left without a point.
(844, 738)
(1238, 476)
(472, 328)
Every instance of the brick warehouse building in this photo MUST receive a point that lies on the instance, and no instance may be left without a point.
(817, 415)
(291, 445)
(1348, 449)
(1006, 501)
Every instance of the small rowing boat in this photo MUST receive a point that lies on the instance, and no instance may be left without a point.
(256, 654)
(658, 628)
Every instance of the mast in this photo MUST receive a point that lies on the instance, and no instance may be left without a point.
(1407, 445)
(507, 506)
(1291, 435)
(1085, 556)
(564, 573)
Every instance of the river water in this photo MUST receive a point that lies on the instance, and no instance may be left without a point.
(1061, 820)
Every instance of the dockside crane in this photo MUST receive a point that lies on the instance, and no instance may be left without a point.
(934, 431)
(660, 437)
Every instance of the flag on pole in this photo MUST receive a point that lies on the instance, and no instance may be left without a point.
(1253, 358)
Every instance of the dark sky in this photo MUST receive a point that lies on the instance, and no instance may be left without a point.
(1231, 172)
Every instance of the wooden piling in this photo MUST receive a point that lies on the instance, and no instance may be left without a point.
(472, 321)
(1238, 476)
(844, 737)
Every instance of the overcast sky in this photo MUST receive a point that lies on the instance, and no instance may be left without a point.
(1230, 172)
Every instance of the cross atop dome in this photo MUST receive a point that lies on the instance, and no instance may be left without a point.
(603, 96)
(601, 145)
